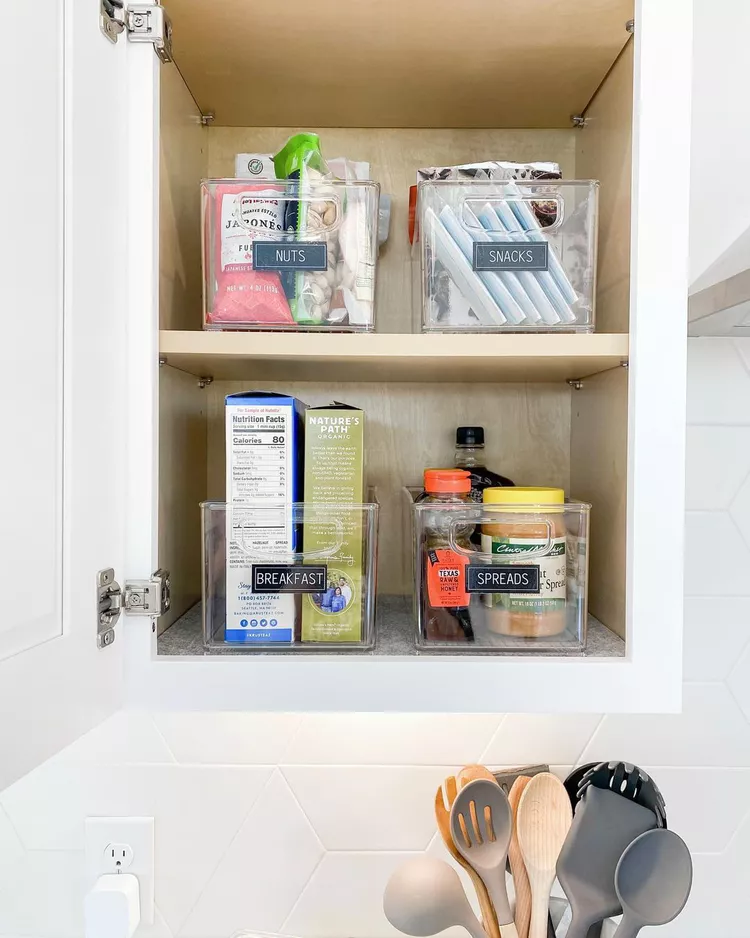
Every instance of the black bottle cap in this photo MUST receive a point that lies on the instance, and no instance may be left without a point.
(470, 436)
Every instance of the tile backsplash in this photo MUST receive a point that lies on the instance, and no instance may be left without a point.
(284, 822)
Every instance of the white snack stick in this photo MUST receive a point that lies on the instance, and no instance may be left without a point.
(510, 223)
(500, 293)
(493, 221)
(451, 257)
(508, 277)
(530, 223)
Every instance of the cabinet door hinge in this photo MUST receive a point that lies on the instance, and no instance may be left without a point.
(151, 597)
(143, 22)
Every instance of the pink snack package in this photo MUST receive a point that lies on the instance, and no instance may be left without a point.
(239, 213)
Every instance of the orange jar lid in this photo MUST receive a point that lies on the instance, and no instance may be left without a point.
(447, 480)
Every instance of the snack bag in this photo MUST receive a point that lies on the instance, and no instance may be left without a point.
(239, 213)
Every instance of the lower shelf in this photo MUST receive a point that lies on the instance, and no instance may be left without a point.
(394, 638)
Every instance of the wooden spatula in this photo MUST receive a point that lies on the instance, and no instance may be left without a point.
(517, 866)
(542, 822)
(444, 798)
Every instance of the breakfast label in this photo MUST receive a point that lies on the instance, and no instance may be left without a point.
(511, 255)
(280, 578)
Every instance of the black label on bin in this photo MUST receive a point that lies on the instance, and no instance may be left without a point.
(290, 255)
(510, 255)
(280, 578)
(509, 578)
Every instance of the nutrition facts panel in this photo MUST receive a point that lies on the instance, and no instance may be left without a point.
(261, 467)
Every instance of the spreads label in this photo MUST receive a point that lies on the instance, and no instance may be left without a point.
(446, 578)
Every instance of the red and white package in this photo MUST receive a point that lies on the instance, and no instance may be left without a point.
(239, 213)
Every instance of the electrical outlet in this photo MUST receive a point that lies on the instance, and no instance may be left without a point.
(116, 844)
(117, 857)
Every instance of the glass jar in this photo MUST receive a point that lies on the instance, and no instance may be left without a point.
(530, 527)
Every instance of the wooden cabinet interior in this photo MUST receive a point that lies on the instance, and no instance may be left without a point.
(537, 433)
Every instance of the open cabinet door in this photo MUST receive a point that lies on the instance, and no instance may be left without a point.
(63, 269)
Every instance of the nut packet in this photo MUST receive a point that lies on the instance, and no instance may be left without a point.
(236, 214)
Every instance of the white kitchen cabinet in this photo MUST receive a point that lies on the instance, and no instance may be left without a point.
(719, 246)
(398, 87)
(63, 412)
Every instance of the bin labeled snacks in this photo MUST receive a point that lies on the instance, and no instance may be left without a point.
(289, 254)
(511, 256)
(519, 563)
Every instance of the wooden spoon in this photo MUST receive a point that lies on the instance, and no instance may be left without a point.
(444, 798)
(517, 866)
(542, 822)
(470, 773)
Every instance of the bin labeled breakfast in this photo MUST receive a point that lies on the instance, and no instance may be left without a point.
(507, 575)
(289, 557)
(512, 256)
(264, 589)
(297, 250)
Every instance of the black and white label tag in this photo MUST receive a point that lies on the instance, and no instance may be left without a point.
(279, 578)
(509, 578)
(288, 255)
(510, 255)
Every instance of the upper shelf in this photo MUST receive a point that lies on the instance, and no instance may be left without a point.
(385, 63)
(385, 357)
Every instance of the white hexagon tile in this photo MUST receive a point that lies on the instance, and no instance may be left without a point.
(265, 869)
(290, 822)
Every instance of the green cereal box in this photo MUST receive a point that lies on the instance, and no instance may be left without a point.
(334, 474)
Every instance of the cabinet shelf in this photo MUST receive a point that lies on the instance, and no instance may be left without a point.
(395, 637)
(391, 357)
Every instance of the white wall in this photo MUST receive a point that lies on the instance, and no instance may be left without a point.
(283, 822)
(720, 197)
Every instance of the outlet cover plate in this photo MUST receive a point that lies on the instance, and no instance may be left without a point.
(138, 832)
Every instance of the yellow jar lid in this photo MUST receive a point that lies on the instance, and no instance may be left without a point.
(528, 495)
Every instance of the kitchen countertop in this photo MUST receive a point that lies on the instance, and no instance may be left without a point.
(395, 636)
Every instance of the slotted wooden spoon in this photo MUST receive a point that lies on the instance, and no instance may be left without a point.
(444, 798)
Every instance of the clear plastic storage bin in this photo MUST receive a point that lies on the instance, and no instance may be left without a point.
(318, 595)
(508, 256)
(280, 255)
(500, 578)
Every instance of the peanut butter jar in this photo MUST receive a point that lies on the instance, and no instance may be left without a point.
(530, 531)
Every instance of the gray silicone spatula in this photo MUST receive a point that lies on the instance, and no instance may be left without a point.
(653, 880)
(482, 826)
(603, 826)
(425, 896)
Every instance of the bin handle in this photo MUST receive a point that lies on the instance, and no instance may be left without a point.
(289, 557)
(543, 551)
(284, 196)
(472, 207)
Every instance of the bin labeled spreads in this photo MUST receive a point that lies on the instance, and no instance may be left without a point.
(508, 576)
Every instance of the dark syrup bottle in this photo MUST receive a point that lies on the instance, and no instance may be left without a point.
(470, 456)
